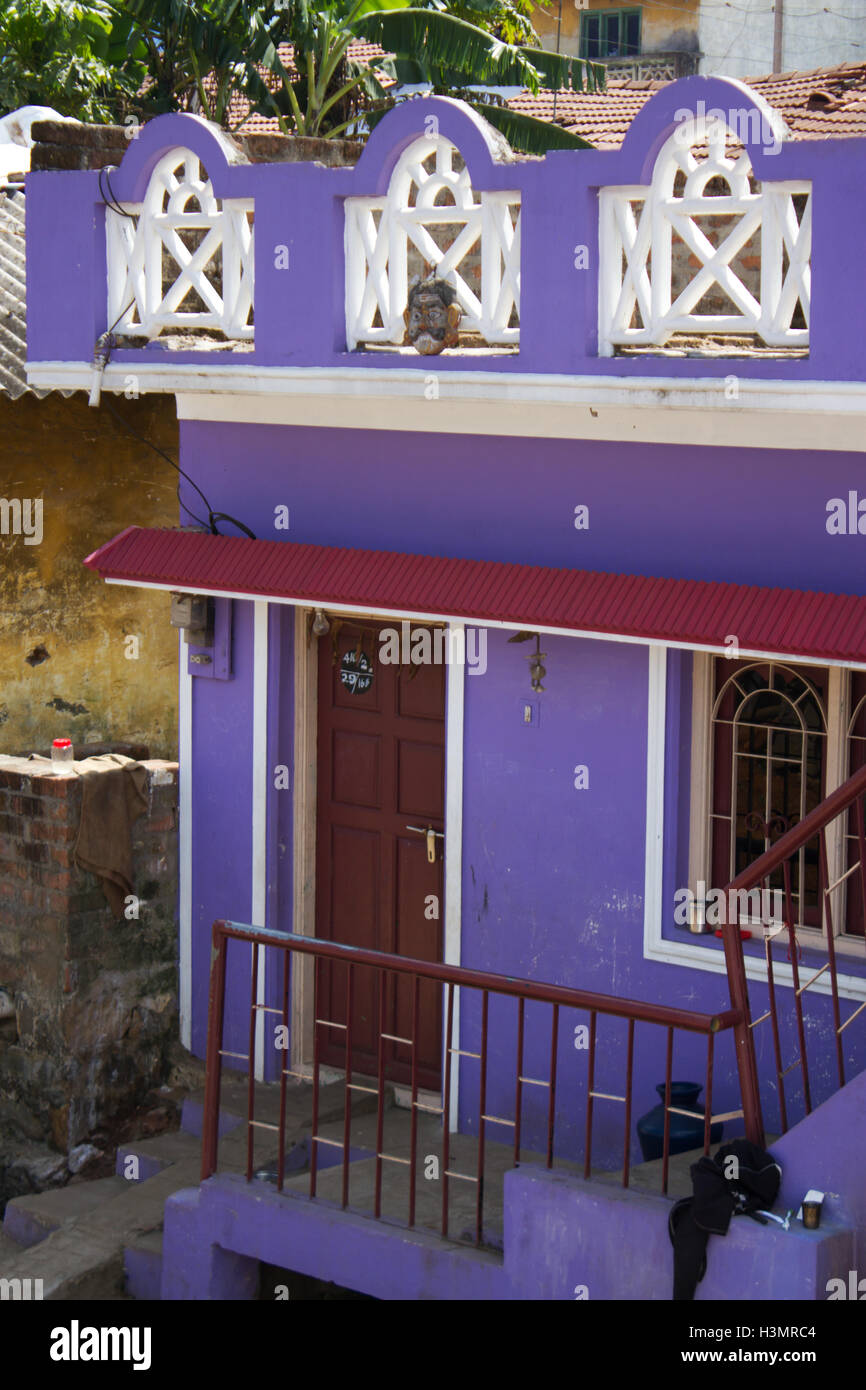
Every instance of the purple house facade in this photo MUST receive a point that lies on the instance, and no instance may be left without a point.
(523, 706)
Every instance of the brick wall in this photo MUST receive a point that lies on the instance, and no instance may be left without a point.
(94, 997)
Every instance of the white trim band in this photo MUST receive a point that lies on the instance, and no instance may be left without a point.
(760, 414)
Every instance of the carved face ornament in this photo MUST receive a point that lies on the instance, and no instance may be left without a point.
(431, 317)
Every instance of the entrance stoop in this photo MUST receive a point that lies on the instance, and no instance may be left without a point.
(562, 1237)
(565, 1238)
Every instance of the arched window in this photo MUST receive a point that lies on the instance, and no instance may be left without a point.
(705, 249)
(181, 261)
(433, 222)
(769, 725)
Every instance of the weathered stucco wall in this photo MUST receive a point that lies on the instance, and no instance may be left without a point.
(740, 43)
(64, 671)
(663, 27)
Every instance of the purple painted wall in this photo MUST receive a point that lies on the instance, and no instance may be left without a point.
(222, 755)
(820, 1154)
(299, 311)
(554, 877)
(678, 511)
(564, 1240)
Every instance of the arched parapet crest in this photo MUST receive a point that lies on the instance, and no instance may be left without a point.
(487, 154)
(179, 255)
(151, 142)
(676, 109)
(447, 203)
(713, 237)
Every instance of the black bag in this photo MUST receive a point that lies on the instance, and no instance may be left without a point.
(753, 1185)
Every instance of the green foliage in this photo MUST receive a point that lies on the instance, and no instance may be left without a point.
(431, 43)
(510, 20)
(62, 53)
(323, 92)
(525, 133)
(174, 45)
(101, 60)
(438, 48)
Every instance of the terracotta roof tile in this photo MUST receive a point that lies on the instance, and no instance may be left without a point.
(13, 310)
(815, 105)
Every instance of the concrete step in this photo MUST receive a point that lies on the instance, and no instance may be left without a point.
(30, 1220)
(102, 1240)
(142, 1266)
(299, 1103)
(154, 1155)
(83, 1257)
(647, 1177)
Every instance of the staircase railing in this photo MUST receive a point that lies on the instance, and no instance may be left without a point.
(841, 803)
(499, 1036)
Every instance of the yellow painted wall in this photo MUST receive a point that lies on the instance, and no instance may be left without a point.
(94, 480)
(663, 27)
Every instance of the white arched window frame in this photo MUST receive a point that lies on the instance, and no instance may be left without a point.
(152, 269)
(636, 230)
(379, 232)
(706, 697)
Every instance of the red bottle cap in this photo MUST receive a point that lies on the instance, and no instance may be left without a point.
(63, 743)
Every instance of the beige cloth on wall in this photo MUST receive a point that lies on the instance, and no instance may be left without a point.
(113, 797)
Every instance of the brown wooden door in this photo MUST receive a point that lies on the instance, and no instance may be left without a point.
(381, 767)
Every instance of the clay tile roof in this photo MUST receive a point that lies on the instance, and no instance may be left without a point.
(13, 312)
(815, 105)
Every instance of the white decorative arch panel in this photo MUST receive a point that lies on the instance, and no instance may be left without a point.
(382, 235)
(644, 298)
(183, 258)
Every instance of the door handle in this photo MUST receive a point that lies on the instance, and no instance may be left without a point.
(432, 836)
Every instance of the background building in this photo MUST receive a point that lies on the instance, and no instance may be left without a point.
(654, 40)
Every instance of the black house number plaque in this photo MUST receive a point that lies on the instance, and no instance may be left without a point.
(356, 672)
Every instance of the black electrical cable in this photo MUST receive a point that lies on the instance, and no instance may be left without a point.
(150, 445)
(108, 341)
(213, 517)
(111, 201)
(224, 516)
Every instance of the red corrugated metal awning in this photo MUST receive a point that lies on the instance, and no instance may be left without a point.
(674, 612)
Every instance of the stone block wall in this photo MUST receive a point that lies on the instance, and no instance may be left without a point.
(90, 1001)
(70, 145)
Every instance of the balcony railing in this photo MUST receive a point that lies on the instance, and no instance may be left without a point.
(704, 248)
(663, 66)
(432, 221)
(182, 261)
(501, 1036)
(777, 867)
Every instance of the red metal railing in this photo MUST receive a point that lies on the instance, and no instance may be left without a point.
(451, 979)
(779, 857)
